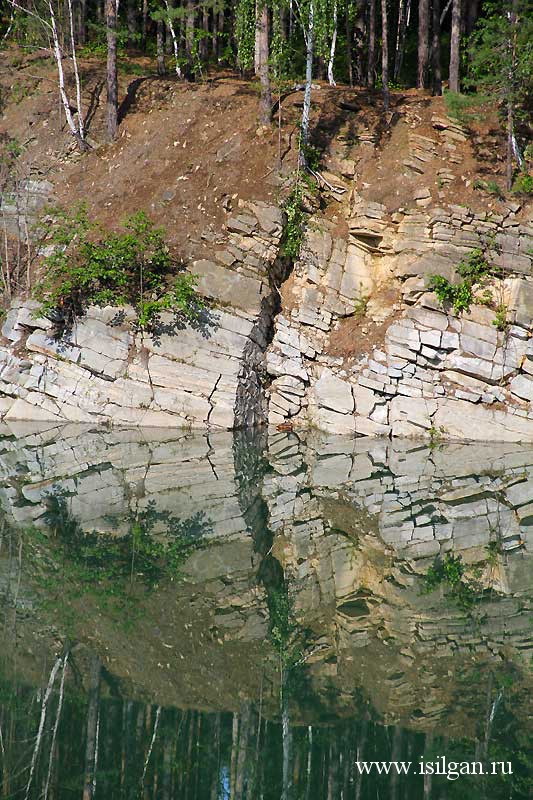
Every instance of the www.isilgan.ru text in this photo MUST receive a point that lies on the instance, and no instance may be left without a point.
(452, 770)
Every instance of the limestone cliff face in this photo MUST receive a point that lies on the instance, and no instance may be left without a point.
(205, 376)
(352, 343)
(354, 525)
(426, 372)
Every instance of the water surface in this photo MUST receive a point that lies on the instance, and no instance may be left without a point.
(252, 616)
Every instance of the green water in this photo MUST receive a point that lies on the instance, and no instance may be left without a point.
(258, 616)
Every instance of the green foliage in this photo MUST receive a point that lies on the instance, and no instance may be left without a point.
(245, 32)
(436, 436)
(491, 187)
(154, 547)
(474, 267)
(464, 107)
(91, 266)
(523, 184)
(501, 54)
(450, 571)
(294, 227)
(501, 321)
(312, 156)
(361, 305)
(460, 296)
(97, 40)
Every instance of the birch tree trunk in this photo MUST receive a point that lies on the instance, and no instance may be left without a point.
(454, 84)
(423, 44)
(39, 737)
(404, 12)
(513, 18)
(112, 79)
(76, 78)
(331, 77)
(56, 726)
(287, 743)
(257, 54)
(265, 105)
(310, 42)
(385, 55)
(371, 70)
(174, 40)
(74, 129)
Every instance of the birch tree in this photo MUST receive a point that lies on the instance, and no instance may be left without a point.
(331, 77)
(50, 26)
(309, 35)
(262, 50)
(385, 55)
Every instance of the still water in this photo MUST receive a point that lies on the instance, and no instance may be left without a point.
(194, 617)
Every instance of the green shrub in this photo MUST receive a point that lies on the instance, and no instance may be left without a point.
(293, 233)
(450, 572)
(464, 107)
(460, 296)
(523, 184)
(491, 187)
(90, 266)
(500, 321)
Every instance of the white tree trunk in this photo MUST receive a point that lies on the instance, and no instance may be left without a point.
(174, 41)
(331, 78)
(39, 737)
(152, 742)
(81, 130)
(58, 717)
(61, 75)
(310, 40)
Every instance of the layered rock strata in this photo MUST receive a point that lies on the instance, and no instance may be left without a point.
(205, 375)
(354, 524)
(433, 373)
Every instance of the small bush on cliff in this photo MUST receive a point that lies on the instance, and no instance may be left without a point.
(90, 266)
(473, 270)
(293, 234)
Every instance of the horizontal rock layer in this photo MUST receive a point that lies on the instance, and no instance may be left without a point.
(434, 374)
(208, 374)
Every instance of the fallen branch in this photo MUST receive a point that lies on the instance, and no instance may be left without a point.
(331, 187)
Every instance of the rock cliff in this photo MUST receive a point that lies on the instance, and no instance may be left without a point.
(419, 370)
(206, 375)
(349, 339)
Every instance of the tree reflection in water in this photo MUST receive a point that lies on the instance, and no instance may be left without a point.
(247, 618)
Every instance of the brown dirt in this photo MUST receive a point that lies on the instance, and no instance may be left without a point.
(357, 336)
(186, 153)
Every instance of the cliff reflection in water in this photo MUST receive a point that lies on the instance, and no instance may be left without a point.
(244, 616)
